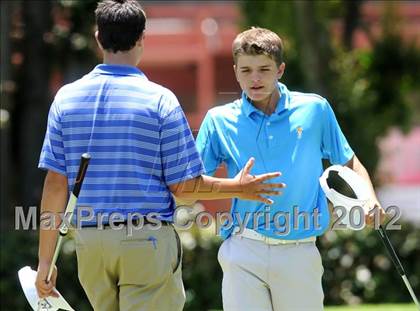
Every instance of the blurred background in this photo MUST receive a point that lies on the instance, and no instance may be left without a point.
(364, 56)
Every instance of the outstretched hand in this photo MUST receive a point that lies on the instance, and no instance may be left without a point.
(253, 187)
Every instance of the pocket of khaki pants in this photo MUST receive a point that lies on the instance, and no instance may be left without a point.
(78, 241)
(137, 243)
(179, 252)
(220, 252)
(144, 260)
(318, 255)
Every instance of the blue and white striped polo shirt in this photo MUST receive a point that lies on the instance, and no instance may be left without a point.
(136, 133)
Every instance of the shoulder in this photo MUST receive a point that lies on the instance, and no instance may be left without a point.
(63, 94)
(68, 89)
(149, 88)
(129, 83)
(225, 111)
(310, 101)
(299, 98)
(167, 100)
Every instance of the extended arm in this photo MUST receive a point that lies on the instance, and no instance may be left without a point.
(244, 186)
(358, 167)
(54, 198)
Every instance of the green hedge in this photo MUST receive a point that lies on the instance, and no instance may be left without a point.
(357, 268)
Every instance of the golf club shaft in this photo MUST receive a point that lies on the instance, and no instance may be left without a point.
(54, 260)
(410, 289)
(397, 263)
(391, 251)
(71, 205)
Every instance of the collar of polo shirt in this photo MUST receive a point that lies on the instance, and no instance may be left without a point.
(282, 103)
(116, 70)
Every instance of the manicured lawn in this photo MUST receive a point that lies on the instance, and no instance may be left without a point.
(384, 307)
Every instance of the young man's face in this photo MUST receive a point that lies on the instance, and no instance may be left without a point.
(258, 75)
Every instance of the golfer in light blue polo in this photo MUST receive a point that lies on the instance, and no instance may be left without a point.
(269, 257)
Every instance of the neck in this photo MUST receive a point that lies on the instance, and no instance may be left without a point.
(269, 105)
(129, 58)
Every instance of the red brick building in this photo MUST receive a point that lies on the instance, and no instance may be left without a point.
(188, 50)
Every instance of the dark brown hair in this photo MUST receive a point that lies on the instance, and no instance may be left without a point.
(257, 41)
(120, 24)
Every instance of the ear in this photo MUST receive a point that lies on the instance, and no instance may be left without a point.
(234, 70)
(97, 40)
(280, 70)
(140, 41)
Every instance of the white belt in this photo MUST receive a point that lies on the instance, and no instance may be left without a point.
(254, 235)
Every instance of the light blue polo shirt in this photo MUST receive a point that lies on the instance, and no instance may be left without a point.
(294, 139)
(137, 135)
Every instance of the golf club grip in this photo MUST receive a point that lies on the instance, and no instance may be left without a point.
(391, 250)
(84, 162)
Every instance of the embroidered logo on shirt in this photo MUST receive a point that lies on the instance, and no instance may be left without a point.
(299, 131)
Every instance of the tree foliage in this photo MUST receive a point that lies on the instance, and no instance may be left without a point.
(369, 89)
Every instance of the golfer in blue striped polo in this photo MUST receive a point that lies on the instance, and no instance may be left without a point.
(142, 153)
(269, 258)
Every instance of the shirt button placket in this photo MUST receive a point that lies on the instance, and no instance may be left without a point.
(270, 140)
(269, 136)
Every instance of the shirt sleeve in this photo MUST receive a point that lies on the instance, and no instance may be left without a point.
(52, 152)
(208, 145)
(180, 158)
(334, 146)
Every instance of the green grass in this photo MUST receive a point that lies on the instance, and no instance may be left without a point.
(384, 307)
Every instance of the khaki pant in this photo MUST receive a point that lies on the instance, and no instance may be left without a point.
(138, 272)
(261, 277)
